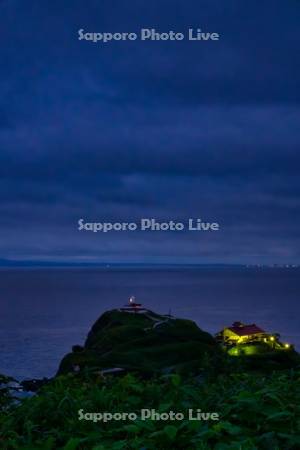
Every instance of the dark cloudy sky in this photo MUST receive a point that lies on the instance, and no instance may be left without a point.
(169, 130)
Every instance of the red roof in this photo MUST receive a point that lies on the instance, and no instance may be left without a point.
(243, 330)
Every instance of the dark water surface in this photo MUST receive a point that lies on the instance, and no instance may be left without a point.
(46, 311)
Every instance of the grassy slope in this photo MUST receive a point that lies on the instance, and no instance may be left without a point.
(133, 342)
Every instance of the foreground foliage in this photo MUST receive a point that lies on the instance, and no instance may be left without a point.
(256, 412)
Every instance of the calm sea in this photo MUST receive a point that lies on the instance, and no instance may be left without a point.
(46, 311)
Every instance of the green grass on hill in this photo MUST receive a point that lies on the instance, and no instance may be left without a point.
(256, 412)
(141, 342)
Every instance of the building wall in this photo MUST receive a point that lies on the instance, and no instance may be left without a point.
(230, 335)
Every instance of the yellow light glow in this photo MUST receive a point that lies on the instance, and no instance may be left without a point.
(287, 345)
(272, 338)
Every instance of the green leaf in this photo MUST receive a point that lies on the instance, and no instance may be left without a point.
(119, 445)
(274, 397)
(49, 444)
(280, 415)
(72, 444)
(170, 431)
(176, 380)
(163, 407)
(228, 427)
(131, 428)
(292, 438)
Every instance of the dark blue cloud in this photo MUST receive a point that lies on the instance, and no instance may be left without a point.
(157, 129)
